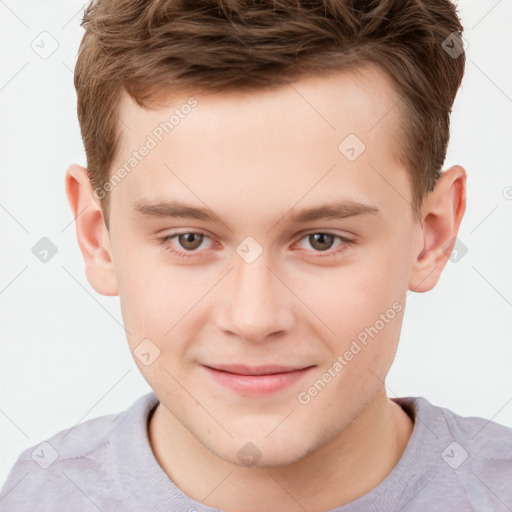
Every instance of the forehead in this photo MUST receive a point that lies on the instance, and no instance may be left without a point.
(354, 100)
(284, 138)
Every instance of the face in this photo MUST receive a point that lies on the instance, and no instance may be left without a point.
(265, 229)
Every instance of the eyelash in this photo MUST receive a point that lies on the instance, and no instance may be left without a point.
(192, 254)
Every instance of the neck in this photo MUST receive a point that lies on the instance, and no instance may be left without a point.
(352, 463)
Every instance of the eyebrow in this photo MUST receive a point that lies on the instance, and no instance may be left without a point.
(177, 209)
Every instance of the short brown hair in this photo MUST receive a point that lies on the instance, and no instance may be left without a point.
(151, 47)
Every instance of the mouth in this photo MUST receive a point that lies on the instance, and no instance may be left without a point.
(240, 369)
(256, 380)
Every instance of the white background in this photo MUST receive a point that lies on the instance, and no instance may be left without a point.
(63, 355)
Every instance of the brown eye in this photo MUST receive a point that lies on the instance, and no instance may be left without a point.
(322, 244)
(321, 241)
(190, 241)
(186, 244)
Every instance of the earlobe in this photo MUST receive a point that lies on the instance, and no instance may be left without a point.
(442, 214)
(92, 235)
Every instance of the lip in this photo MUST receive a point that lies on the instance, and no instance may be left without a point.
(241, 369)
(257, 380)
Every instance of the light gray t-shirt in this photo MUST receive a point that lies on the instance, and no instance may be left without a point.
(451, 464)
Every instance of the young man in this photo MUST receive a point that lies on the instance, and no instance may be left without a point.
(263, 188)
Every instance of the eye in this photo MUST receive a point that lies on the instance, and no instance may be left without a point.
(191, 242)
(322, 241)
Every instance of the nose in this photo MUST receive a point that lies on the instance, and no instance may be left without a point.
(257, 304)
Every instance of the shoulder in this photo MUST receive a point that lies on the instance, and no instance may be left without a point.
(48, 469)
(483, 436)
(466, 456)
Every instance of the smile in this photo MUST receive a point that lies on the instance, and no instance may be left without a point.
(256, 380)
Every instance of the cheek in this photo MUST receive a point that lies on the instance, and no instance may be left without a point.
(351, 298)
(363, 307)
(361, 356)
(159, 300)
(148, 296)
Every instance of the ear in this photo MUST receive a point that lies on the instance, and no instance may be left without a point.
(92, 234)
(442, 214)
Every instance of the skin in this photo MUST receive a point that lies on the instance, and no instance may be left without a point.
(252, 159)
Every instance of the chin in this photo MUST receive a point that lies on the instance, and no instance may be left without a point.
(272, 452)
